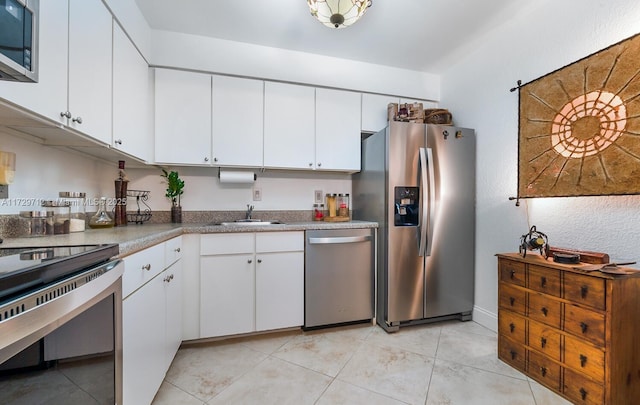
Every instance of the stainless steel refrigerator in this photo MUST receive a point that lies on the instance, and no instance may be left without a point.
(418, 182)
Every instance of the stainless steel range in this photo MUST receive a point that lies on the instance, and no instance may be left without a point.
(61, 325)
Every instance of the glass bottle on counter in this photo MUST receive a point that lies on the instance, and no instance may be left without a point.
(343, 205)
(102, 219)
(318, 212)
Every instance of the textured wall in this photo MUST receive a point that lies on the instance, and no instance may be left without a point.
(545, 35)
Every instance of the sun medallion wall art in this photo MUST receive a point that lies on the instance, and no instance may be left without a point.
(579, 127)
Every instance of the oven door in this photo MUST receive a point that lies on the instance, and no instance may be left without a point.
(63, 343)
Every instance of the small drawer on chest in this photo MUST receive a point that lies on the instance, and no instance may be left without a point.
(544, 280)
(544, 309)
(512, 272)
(581, 390)
(512, 326)
(544, 370)
(512, 298)
(584, 358)
(544, 339)
(584, 324)
(512, 353)
(585, 290)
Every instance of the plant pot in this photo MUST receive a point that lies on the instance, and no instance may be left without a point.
(176, 215)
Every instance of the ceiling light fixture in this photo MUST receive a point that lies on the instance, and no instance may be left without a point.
(338, 13)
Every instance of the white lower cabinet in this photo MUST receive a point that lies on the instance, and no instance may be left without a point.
(151, 322)
(251, 282)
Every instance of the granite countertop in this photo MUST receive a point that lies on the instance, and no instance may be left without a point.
(133, 238)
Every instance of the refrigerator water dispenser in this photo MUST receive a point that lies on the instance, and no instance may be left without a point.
(406, 201)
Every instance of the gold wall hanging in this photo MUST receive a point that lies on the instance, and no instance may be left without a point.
(579, 127)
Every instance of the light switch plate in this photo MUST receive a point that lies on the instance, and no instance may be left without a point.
(4, 191)
(318, 196)
(257, 194)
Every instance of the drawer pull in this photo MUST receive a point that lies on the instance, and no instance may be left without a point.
(584, 327)
(583, 393)
(513, 274)
(543, 342)
(513, 354)
(583, 360)
(177, 250)
(543, 371)
(512, 327)
(545, 311)
(512, 301)
(146, 267)
(249, 261)
(583, 291)
(543, 282)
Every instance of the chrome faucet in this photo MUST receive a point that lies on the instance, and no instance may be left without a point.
(249, 211)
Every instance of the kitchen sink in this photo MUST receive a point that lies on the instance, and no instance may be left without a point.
(249, 222)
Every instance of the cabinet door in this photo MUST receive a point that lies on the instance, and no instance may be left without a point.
(182, 117)
(238, 109)
(375, 112)
(227, 295)
(90, 61)
(172, 280)
(143, 342)
(279, 290)
(289, 126)
(337, 130)
(48, 97)
(131, 98)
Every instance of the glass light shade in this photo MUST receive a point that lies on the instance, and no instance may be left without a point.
(338, 13)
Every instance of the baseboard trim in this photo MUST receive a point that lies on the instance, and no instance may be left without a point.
(485, 318)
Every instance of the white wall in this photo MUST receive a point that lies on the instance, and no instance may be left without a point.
(543, 37)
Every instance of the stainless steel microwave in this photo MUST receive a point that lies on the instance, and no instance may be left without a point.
(19, 40)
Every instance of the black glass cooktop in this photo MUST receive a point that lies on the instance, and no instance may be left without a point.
(23, 270)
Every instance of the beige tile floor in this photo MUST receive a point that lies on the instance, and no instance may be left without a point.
(452, 363)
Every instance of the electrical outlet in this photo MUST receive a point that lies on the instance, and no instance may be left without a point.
(257, 194)
(318, 196)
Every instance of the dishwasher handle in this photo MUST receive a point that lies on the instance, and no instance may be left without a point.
(339, 240)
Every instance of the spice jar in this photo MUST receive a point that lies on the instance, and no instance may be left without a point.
(318, 212)
(38, 223)
(343, 205)
(102, 219)
(61, 215)
(332, 204)
(78, 215)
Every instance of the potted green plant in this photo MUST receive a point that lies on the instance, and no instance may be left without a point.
(175, 188)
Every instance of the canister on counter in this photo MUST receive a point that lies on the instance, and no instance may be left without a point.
(78, 216)
(343, 205)
(332, 201)
(318, 212)
(61, 215)
(38, 223)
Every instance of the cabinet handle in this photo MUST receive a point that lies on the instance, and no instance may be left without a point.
(147, 267)
(583, 360)
(206, 159)
(512, 327)
(543, 342)
(77, 120)
(177, 250)
(543, 371)
(66, 114)
(513, 274)
(259, 260)
(249, 261)
(319, 164)
(583, 291)
(545, 311)
(215, 159)
(310, 164)
(543, 282)
(168, 278)
(512, 301)
(513, 354)
(118, 141)
(584, 327)
(583, 393)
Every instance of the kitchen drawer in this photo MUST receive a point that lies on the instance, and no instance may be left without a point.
(141, 267)
(584, 358)
(544, 370)
(512, 353)
(581, 390)
(544, 309)
(279, 242)
(172, 251)
(544, 280)
(585, 324)
(513, 298)
(227, 243)
(544, 339)
(585, 290)
(512, 326)
(512, 272)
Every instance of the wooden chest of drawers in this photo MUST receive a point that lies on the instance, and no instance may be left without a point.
(577, 333)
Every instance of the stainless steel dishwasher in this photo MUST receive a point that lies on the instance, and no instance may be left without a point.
(339, 276)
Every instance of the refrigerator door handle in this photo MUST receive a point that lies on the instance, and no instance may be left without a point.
(427, 183)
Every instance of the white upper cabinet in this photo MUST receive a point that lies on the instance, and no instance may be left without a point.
(374, 111)
(337, 130)
(289, 126)
(131, 99)
(48, 97)
(182, 117)
(238, 111)
(90, 69)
